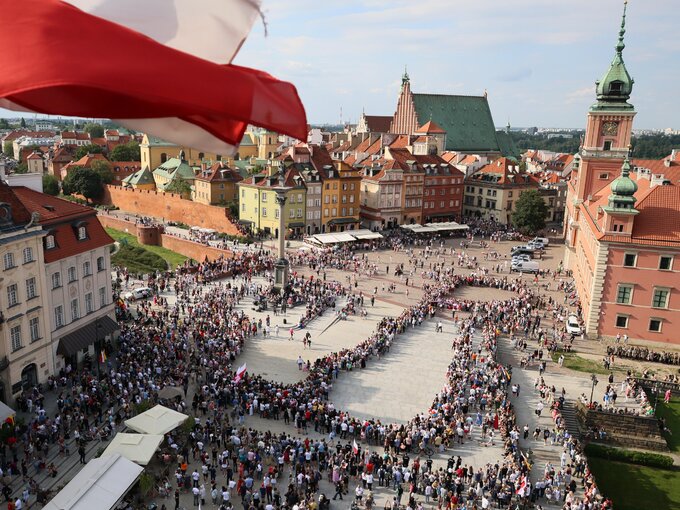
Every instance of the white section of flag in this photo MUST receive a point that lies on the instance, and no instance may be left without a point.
(240, 373)
(209, 29)
(355, 447)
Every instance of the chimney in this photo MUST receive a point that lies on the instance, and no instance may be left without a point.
(204, 167)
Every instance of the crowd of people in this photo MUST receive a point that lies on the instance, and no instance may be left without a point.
(640, 353)
(195, 342)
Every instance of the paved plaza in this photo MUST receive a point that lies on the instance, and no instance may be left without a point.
(401, 383)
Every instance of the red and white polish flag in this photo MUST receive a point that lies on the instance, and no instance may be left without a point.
(159, 66)
(240, 373)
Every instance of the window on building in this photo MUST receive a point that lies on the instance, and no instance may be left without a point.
(75, 309)
(82, 233)
(276, 213)
(58, 316)
(666, 262)
(264, 197)
(299, 213)
(351, 211)
(660, 299)
(87, 268)
(608, 145)
(604, 176)
(101, 265)
(34, 327)
(30, 288)
(49, 242)
(624, 294)
(264, 211)
(12, 295)
(89, 303)
(325, 211)
(622, 321)
(630, 259)
(15, 335)
(28, 255)
(71, 274)
(56, 280)
(509, 194)
(102, 297)
(655, 325)
(8, 260)
(291, 213)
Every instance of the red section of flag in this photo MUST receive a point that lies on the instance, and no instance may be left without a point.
(56, 66)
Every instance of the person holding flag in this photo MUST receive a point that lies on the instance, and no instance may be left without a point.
(240, 373)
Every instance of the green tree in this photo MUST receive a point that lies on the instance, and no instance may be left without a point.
(84, 150)
(85, 182)
(4, 124)
(50, 185)
(22, 168)
(94, 130)
(126, 152)
(8, 149)
(179, 186)
(530, 213)
(104, 169)
(23, 123)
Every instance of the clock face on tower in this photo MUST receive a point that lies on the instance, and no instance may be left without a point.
(610, 128)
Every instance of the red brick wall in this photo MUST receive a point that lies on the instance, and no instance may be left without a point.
(185, 247)
(191, 249)
(169, 207)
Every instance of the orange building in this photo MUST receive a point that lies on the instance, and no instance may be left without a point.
(622, 225)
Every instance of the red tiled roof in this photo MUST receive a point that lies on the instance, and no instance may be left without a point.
(60, 215)
(430, 127)
(400, 142)
(378, 123)
(34, 155)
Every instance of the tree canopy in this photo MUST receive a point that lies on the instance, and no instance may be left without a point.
(179, 186)
(104, 169)
(126, 152)
(50, 184)
(8, 149)
(84, 150)
(530, 213)
(94, 130)
(84, 181)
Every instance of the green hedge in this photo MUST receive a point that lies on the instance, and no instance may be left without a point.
(630, 456)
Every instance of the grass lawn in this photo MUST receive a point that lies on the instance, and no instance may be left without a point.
(171, 257)
(634, 487)
(671, 413)
(576, 362)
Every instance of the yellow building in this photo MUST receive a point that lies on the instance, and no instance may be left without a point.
(216, 184)
(340, 196)
(267, 145)
(258, 208)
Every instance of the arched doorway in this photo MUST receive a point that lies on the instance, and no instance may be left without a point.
(29, 376)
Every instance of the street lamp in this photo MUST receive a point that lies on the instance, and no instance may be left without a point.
(593, 379)
(97, 347)
(281, 268)
(656, 396)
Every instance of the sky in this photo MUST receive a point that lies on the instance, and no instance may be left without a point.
(538, 59)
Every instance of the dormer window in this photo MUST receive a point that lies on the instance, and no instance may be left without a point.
(616, 88)
(50, 242)
(82, 233)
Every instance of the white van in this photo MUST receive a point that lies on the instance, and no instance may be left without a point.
(522, 266)
(544, 240)
(138, 293)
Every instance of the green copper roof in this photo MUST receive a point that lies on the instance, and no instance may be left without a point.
(174, 167)
(466, 119)
(143, 176)
(616, 85)
(623, 190)
(507, 145)
(158, 142)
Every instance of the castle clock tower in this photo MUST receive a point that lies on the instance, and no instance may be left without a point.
(609, 127)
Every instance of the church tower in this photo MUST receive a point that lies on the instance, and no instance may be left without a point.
(609, 126)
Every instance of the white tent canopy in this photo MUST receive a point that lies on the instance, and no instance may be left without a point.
(447, 226)
(364, 233)
(139, 448)
(101, 484)
(157, 420)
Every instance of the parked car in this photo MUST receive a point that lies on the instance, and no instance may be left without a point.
(536, 245)
(521, 266)
(138, 293)
(523, 257)
(544, 240)
(523, 251)
(573, 326)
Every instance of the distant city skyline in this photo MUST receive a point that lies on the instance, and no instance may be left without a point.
(537, 60)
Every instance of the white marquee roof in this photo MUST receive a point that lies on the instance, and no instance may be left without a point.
(157, 420)
(139, 448)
